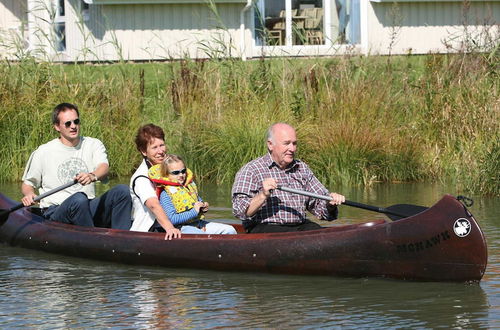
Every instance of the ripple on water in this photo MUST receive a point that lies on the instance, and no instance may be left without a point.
(44, 291)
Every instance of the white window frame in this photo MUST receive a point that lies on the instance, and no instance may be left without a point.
(59, 20)
(288, 24)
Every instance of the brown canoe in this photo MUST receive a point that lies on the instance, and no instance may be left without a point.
(443, 243)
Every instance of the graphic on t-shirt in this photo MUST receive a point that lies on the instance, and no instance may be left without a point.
(68, 169)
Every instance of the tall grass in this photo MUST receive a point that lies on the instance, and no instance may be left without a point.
(29, 91)
(359, 120)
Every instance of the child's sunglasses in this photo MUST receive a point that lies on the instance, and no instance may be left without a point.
(183, 171)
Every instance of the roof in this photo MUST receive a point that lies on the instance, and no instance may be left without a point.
(137, 2)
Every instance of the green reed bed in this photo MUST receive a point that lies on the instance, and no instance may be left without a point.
(360, 120)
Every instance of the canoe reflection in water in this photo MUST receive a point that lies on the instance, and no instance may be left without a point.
(67, 292)
(248, 300)
(421, 247)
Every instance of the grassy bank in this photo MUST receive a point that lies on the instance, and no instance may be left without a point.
(360, 120)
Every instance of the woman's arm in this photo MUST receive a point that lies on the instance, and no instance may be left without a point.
(154, 205)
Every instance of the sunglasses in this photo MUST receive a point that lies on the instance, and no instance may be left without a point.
(183, 171)
(68, 123)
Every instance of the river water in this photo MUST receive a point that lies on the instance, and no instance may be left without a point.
(45, 291)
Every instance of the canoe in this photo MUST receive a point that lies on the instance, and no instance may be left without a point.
(442, 243)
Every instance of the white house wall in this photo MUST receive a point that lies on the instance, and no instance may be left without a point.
(13, 17)
(153, 31)
(421, 27)
(179, 30)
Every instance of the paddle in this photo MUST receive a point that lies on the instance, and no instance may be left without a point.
(4, 214)
(394, 212)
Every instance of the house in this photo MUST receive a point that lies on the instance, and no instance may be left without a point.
(142, 30)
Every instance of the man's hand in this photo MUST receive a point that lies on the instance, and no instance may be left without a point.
(268, 185)
(28, 199)
(85, 178)
(337, 199)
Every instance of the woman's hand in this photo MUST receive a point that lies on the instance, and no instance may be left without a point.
(172, 233)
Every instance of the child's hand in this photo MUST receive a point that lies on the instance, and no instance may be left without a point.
(198, 205)
(204, 208)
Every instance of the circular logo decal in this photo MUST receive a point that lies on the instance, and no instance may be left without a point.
(462, 227)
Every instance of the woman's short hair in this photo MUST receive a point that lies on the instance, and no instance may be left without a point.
(147, 133)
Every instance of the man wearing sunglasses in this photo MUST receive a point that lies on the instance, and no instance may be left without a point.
(74, 157)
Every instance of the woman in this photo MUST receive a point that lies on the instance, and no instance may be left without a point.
(150, 141)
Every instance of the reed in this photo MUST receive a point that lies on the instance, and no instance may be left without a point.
(360, 120)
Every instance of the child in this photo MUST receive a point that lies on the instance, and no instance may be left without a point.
(179, 198)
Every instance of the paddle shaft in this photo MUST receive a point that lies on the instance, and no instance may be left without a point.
(347, 202)
(36, 199)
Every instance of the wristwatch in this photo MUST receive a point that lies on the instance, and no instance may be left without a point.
(94, 177)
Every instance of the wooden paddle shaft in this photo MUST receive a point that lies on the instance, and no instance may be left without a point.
(347, 202)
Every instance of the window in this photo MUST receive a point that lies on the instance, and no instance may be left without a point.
(306, 22)
(85, 10)
(60, 26)
(287, 22)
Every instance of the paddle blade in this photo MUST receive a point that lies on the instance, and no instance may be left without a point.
(407, 209)
(4, 214)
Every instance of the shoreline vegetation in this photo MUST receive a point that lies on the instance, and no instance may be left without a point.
(360, 120)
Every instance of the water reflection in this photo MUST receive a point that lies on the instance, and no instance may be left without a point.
(66, 292)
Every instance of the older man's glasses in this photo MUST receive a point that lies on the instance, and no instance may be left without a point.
(183, 171)
(69, 122)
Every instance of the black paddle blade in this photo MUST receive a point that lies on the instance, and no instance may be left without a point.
(407, 209)
(4, 214)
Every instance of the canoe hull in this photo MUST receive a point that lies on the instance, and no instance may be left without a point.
(422, 247)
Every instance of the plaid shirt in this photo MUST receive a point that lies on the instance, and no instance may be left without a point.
(281, 207)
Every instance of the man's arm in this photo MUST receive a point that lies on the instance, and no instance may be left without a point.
(32, 177)
(243, 191)
(258, 200)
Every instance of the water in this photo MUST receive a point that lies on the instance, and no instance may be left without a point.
(40, 290)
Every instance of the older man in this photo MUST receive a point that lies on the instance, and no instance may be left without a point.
(261, 207)
(74, 157)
